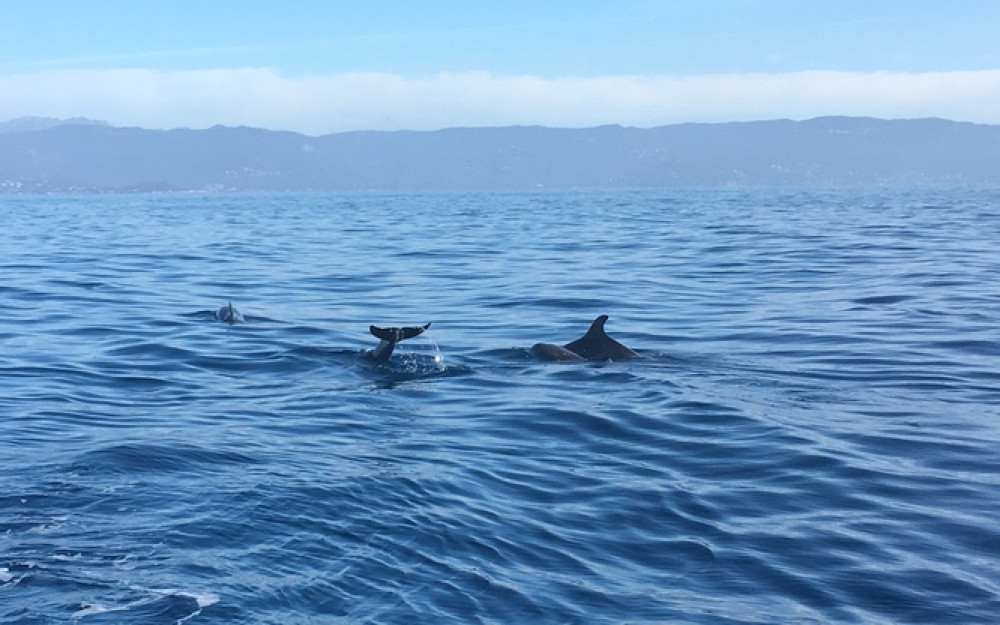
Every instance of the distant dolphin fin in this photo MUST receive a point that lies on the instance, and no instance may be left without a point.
(229, 314)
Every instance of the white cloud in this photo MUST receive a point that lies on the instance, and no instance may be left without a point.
(357, 101)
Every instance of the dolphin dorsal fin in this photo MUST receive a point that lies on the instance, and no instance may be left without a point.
(591, 345)
(597, 345)
(597, 328)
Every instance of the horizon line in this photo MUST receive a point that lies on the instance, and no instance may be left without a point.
(54, 122)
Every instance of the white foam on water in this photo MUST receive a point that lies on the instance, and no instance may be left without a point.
(52, 525)
(202, 600)
(66, 557)
(88, 609)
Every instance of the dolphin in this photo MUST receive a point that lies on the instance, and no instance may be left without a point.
(229, 314)
(594, 345)
(388, 337)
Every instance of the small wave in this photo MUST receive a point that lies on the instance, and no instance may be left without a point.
(90, 609)
(153, 605)
(880, 300)
(152, 350)
(136, 458)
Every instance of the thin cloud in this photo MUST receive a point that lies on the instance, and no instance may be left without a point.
(372, 101)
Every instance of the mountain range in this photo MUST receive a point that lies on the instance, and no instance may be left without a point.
(43, 155)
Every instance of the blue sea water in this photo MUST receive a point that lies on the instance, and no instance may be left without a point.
(812, 434)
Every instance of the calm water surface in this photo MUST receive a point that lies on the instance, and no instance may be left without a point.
(812, 435)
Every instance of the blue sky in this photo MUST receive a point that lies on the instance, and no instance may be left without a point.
(323, 66)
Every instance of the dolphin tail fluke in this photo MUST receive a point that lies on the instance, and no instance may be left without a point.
(396, 335)
(388, 337)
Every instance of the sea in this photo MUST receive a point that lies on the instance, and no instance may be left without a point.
(811, 433)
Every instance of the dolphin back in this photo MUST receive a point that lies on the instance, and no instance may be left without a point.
(548, 351)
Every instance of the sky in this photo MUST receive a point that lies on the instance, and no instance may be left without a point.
(323, 66)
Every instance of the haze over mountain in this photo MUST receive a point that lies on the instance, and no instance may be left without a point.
(42, 155)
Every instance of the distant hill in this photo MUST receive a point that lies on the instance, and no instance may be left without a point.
(40, 155)
(24, 124)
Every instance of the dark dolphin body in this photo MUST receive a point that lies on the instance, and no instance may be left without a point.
(594, 345)
(388, 337)
(229, 314)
